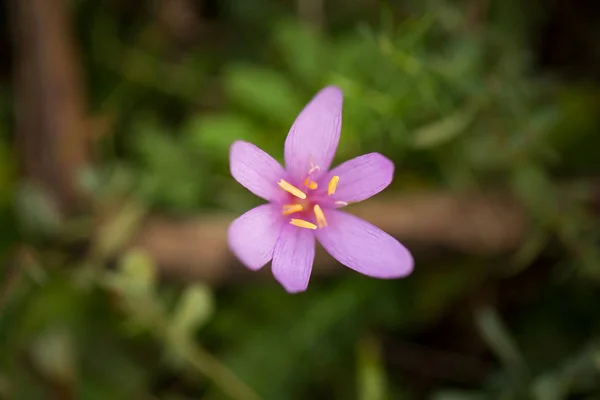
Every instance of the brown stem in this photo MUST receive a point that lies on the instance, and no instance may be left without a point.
(470, 223)
(50, 102)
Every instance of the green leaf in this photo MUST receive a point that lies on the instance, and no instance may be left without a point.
(302, 49)
(53, 354)
(496, 335)
(57, 302)
(459, 395)
(537, 240)
(166, 177)
(37, 210)
(264, 91)
(372, 383)
(443, 130)
(215, 133)
(135, 284)
(117, 230)
(536, 190)
(194, 309)
(579, 373)
(138, 270)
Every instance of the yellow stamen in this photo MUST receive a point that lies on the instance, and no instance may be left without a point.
(291, 189)
(291, 208)
(321, 221)
(332, 185)
(302, 223)
(310, 184)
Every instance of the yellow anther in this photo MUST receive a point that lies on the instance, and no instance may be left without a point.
(332, 185)
(291, 189)
(321, 221)
(312, 185)
(300, 223)
(291, 208)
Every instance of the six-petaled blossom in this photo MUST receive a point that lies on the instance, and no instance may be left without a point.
(304, 202)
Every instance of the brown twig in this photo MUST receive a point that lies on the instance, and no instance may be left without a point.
(50, 120)
(470, 223)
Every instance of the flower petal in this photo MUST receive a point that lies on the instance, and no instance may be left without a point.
(256, 170)
(363, 247)
(315, 134)
(252, 237)
(293, 258)
(362, 177)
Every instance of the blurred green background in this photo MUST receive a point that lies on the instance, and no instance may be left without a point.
(132, 106)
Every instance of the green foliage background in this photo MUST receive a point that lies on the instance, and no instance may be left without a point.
(456, 99)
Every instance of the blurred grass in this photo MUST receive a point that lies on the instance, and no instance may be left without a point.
(453, 96)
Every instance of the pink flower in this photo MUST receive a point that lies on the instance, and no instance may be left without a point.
(304, 202)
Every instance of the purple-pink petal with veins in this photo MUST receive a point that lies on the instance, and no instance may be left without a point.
(315, 134)
(256, 170)
(293, 258)
(252, 236)
(363, 247)
(362, 177)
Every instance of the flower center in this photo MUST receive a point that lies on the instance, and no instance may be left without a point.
(302, 202)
